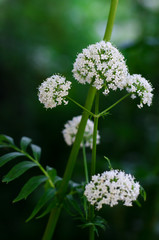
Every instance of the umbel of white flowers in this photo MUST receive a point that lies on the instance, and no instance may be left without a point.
(111, 187)
(53, 90)
(71, 128)
(139, 86)
(103, 66)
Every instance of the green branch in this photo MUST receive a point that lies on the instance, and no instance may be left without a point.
(79, 105)
(113, 105)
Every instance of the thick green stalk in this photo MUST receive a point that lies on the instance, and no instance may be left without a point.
(91, 233)
(53, 218)
(70, 166)
(111, 18)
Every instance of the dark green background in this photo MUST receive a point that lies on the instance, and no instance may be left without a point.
(39, 38)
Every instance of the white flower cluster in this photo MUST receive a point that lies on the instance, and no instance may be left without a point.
(71, 128)
(102, 65)
(53, 90)
(139, 86)
(111, 187)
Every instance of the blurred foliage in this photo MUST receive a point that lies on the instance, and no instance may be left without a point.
(39, 38)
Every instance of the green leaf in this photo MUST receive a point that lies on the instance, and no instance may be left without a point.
(8, 157)
(24, 142)
(18, 170)
(36, 151)
(29, 187)
(138, 203)
(143, 193)
(57, 181)
(50, 206)
(47, 196)
(5, 138)
(74, 185)
(52, 172)
(97, 222)
(74, 205)
(4, 145)
(100, 222)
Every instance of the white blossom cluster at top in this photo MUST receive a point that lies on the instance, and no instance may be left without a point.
(103, 66)
(71, 128)
(53, 90)
(111, 187)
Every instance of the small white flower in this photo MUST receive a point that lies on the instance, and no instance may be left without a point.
(102, 65)
(139, 86)
(53, 90)
(71, 128)
(111, 187)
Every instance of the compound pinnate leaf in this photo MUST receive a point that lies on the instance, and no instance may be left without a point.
(18, 170)
(29, 187)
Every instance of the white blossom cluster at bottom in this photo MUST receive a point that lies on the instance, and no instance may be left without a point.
(111, 187)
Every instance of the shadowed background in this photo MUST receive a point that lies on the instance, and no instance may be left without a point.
(40, 38)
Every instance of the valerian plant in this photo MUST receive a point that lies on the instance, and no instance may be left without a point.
(103, 67)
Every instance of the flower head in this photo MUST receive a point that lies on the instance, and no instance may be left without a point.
(102, 65)
(111, 187)
(71, 128)
(139, 86)
(53, 90)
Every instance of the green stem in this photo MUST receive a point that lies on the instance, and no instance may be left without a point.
(85, 163)
(91, 233)
(79, 105)
(107, 37)
(93, 162)
(113, 105)
(70, 165)
(53, 218)
(111, 18)
(109, 163)
(86, 178)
